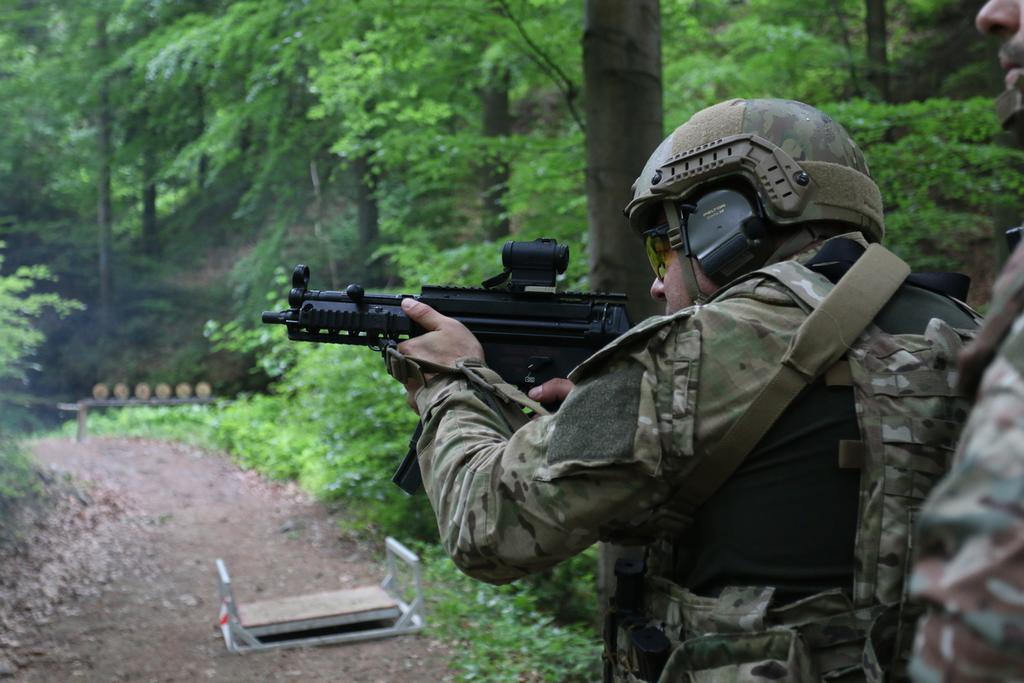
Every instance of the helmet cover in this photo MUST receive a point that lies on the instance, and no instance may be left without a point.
(803, 165)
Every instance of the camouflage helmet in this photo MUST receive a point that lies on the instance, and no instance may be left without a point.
(803, 165)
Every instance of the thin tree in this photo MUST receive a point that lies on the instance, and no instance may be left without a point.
(150, 234)
(104, 150)
(494, 173)
(368, 214)
(878, 58)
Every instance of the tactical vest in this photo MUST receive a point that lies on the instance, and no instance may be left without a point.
(909, 414)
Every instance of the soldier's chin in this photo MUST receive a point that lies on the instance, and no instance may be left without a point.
(1011, 77)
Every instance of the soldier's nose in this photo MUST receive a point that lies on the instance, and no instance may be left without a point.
(1000, 18)
(658, 289)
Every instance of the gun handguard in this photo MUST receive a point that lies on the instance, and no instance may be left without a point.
(530, 332)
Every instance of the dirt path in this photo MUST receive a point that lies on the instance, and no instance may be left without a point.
(152, 518)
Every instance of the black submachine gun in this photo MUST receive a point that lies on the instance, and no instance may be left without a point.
(530, 332)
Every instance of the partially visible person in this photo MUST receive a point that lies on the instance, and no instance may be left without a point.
(1004, 19)
(970, 546)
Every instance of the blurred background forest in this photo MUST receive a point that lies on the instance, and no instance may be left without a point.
(164, 163)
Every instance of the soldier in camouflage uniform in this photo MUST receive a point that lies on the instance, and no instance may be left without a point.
(970, 548)
(768, 439)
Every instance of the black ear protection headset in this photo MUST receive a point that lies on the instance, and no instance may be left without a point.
(726, 230)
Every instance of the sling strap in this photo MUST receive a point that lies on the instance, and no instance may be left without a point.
(822, 339)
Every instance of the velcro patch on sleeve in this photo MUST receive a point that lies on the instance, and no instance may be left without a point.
(597, 423)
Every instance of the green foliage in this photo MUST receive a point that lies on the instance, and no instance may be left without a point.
(20, 335)
(718, 50)
(351, 137)
(405, 108)
(19, 484)
(940, 175)
(507, 633)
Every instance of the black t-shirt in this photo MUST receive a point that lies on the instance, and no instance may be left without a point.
(788, 516)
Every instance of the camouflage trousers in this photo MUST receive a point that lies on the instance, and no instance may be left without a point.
(740, 636)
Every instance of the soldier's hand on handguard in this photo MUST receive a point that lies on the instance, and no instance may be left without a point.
(445, 341)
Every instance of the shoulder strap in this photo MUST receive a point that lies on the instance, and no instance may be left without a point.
(820, 341)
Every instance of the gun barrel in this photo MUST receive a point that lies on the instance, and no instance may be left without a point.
(275, 317)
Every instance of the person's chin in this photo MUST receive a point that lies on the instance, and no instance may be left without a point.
(1012, 75)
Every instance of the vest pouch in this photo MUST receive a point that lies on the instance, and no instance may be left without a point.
(778, 655)
(888, 644)
(641, 649)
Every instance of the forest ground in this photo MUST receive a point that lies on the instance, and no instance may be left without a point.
(117, 582)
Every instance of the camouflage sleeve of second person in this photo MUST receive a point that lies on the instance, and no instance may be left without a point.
(970, 566)
(969, 570)
(604, 467)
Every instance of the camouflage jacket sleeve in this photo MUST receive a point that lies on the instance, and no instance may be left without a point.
(644, 411)
(970, 565)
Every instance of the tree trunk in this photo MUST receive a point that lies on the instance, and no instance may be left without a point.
(622, 74)
(318, 222)
(150, 235)
(878, 60)
(853, 89)
(622, 84)
(104, 218)
(204, 160)
(494, 174)
(368, 216)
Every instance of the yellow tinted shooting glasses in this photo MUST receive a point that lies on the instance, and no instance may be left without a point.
(658, 248)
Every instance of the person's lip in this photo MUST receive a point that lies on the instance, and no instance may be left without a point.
(1011, 60)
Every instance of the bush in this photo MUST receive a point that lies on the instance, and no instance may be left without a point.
(20, 334)
(192, 424)
(509, 633)
(940, 174)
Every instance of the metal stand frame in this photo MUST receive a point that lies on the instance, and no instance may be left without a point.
(407, 618)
